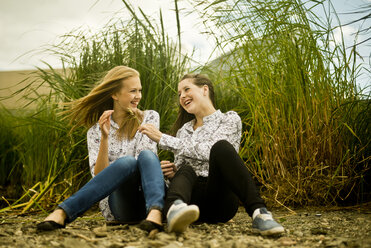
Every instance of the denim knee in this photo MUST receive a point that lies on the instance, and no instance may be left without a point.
(147, 153)
(124, 163)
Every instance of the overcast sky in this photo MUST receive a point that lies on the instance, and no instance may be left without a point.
(28, 25)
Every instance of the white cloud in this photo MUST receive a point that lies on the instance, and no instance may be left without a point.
(346, 32)
(28, 25)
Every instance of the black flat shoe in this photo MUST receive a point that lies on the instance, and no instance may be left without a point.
(148, 226)
(48, 225)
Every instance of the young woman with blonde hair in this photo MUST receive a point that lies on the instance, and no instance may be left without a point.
(127, 177)
(207, 171)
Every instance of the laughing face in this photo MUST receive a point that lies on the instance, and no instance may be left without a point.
(191, 96)
(129, 95)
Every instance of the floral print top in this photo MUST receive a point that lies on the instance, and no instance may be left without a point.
(192, 147)
(119, 148)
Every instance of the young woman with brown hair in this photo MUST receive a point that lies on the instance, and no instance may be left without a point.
(127, 177)
(207, 170)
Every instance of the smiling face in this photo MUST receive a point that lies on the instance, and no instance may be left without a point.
(192, 97)
(129, 95)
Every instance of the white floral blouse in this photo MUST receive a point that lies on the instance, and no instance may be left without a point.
(119, 148)
(193, 147)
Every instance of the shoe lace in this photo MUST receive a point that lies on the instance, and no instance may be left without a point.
(265, 217)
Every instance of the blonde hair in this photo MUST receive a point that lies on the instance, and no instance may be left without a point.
(87, 110)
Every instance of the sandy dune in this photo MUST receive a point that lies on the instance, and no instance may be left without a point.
(13, 81)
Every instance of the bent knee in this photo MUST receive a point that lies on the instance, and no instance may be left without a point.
(220, 146)
(125, 163)
(126, 159)
(147, 154)
(186, 169)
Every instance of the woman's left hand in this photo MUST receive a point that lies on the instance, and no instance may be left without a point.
(151, 131)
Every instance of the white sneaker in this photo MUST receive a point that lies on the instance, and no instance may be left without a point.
(180, 216)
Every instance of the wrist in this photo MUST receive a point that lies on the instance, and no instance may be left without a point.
(159, 138)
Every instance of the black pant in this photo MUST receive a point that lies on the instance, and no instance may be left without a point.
(217, 195)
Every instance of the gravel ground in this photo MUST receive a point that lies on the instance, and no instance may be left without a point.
(304, 228)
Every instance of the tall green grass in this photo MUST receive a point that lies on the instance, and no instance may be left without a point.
(306, 127)
(53, 162)
(9, 158)
(298, 100)
(39, 154)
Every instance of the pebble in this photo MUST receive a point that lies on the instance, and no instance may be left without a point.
(213, 243)
(165, 236)
(332, 229)
(100, 231)
(298, 233)
(318, 230)
(286, 241)
(174, 244)
(157, 243)
(55, 243)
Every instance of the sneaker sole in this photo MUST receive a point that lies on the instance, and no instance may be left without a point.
(273, 231)
(183, 219)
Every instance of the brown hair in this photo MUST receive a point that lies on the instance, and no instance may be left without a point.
(183, 116)
(87, 110)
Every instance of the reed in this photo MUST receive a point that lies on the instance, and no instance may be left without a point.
(306, 126)
(53, 161)
(302, 113)
(9, 158)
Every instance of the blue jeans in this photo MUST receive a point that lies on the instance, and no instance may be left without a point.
(121, 181)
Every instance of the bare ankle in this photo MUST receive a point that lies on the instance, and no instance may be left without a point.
(58, 215)
(155, 216)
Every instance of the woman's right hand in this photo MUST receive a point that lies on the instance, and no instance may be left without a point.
(105, 122)
(168, 169)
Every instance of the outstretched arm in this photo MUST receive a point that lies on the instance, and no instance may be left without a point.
(151, 131)
(144, 142)
(198, 146)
